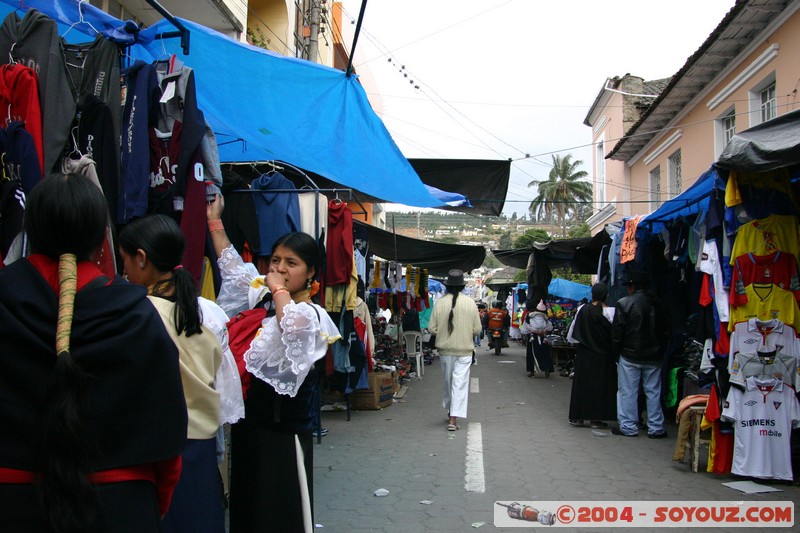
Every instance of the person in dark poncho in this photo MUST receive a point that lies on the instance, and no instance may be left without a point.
(92, 409)
(594, 386)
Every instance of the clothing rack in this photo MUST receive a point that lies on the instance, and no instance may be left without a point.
(182, 31)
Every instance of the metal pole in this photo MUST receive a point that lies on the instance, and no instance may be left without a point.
(350, 70)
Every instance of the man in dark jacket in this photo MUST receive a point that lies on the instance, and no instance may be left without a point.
(640, 331)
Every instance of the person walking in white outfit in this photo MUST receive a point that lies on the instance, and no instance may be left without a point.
(455, 321)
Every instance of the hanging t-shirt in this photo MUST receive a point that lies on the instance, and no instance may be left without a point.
(710, 264)
(779, 268)
(766, 301)
(748, 336)
(765, 236)
(313, 208)
(765, 413)
(278, 213)
(777, 365)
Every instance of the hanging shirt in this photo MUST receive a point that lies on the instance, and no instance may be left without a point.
(19, 101)
(779, 268)
(748, 336)
(140, 106)
(764, 415)
(710, 264)
(34, 41)
(767, 235)
(766, 301)
(339, 257)
(21, 160)
(313, 212)
(278, 213)
(778, 365)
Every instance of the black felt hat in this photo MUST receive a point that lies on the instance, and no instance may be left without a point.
(455, 278)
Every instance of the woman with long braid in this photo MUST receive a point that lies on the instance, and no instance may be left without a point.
(91, 403)
(455, 321)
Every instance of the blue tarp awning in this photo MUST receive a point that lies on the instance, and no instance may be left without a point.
(690, 202)
(564, 288)
(265, 106)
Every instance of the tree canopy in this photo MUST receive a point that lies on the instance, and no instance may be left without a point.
(562, 192)
(531, 236)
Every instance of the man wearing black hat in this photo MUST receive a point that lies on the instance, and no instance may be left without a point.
(640, 331)
(455, 321)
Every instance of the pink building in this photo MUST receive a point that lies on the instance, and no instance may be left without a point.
(653, 139)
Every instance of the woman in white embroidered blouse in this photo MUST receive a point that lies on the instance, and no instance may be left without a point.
(272, 449)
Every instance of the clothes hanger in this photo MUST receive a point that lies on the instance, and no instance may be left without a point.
(81, 20)
(76, 151)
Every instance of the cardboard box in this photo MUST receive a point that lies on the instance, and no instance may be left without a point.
(379, 394)
(395, 381)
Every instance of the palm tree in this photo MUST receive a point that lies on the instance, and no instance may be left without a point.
(562, 192)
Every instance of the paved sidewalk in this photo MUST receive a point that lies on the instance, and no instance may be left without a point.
(529, 453)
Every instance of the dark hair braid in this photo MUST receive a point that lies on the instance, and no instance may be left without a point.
(65, 218)
(455, 291)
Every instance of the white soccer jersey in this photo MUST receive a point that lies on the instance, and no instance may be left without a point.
(779, 366)
(764, 414)
(748, 336)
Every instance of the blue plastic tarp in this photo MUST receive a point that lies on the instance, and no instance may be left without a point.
(569, 289)
(566, 289)
(264, 106)
(692, 201)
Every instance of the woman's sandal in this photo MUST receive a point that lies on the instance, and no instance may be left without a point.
(452, 427)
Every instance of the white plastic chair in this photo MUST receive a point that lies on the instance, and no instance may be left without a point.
(413, 342)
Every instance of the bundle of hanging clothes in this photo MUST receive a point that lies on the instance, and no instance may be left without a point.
(134, 128)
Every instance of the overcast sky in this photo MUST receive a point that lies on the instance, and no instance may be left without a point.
(499, 79)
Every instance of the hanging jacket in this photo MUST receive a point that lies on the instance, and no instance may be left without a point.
(180, 107)
(36, 44)
(278, 213)
(139, 115)
(19, 101)
(339, 255)
(97, 140)
(21, 160)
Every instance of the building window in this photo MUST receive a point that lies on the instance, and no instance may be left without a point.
(655, 186)
(600, 172)
(728, 127)
(674, 167)
(768, 103)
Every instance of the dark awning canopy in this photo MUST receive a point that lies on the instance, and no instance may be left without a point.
(768, 146)
(483, 181)
(439, 258)
(580, 254)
